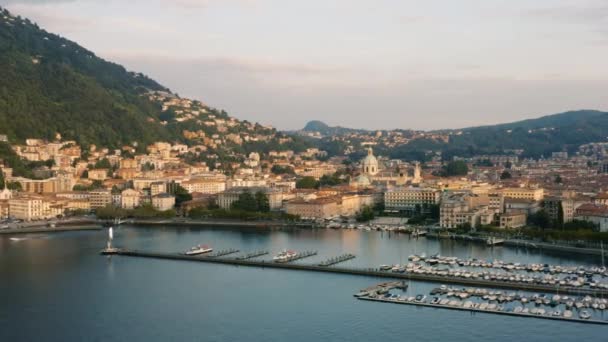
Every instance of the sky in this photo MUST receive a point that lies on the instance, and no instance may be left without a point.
(374, 64)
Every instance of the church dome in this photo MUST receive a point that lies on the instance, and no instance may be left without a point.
(369, 164)
(361, 181)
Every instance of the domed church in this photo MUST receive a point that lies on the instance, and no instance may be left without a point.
(371, 173)
(369, 164)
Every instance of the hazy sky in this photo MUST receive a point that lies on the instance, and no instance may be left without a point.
(420, 64)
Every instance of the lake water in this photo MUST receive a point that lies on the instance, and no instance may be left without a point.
(56, 287)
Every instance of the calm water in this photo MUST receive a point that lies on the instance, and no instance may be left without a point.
(57, 288)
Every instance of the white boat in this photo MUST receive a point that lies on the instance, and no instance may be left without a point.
(200, 249)
(585, 314)
(567, 314)
(284, 256)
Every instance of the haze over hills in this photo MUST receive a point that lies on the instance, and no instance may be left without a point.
(536, 137)
(52, 85)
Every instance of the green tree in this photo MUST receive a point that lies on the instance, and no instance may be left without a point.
(505, 175)
(366, 214)
(281, 170)
(262, 202)
(540, 219)
(246, 202)
(307, 182)
(110, 212)
(558, 179)
(456, 168)
(560, 216)
(181, 195)
(103, 164)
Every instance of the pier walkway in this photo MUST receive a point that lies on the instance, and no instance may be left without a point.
(371, 272)
(438, 306)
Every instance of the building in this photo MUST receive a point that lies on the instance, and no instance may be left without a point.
(157, 188)
(464, 208)
(226, 198)
(163, 201)
(321, 208)
(512, 220)
(535, 194)
(411, 200)
(46, 186)
(28, 208)
(100, 198)
(521, 205)
(130, 199)
(567, 205)
(351, 204)
(128, 164)
(98, 174)
(596, 213)
(369, 165)
(204, 185)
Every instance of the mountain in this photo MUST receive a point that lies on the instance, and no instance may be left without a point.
(565, 119)
(529, 138)
(51, 85)
(324, 129)
(558, 132)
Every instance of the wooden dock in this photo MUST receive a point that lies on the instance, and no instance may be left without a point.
(337, 260)
(298, 256)
(370, 272)
(222, 253)
(252, 255)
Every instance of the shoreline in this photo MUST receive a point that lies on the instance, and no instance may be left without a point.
(46, 229)
(219, 223)
(279, 224)
(524, 244)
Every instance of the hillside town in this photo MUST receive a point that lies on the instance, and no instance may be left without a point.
(500, 191)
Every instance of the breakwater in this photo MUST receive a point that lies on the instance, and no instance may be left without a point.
(371, 272)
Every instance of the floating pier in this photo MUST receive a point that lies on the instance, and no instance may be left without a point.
(461, 308)
(370, 272)
(222, 253)
(493, 241)
(382, 288)
(298, 256)
(417, 233)
(252, 255)
(337, 260)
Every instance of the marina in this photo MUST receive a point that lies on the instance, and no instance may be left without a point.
(571, 309)
(375, 272)
(337, 260)
(242, 291)
(485, 310)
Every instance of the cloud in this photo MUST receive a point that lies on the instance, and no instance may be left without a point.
(34, 2)
(592, 13)
(52, 20)
(287, 95)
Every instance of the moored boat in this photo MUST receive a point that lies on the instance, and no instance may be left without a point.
(200, 249)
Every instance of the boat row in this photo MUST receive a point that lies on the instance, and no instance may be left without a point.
(538, 299)
(511, 266)
(420, 299)
(542, 279)
(370, 227)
